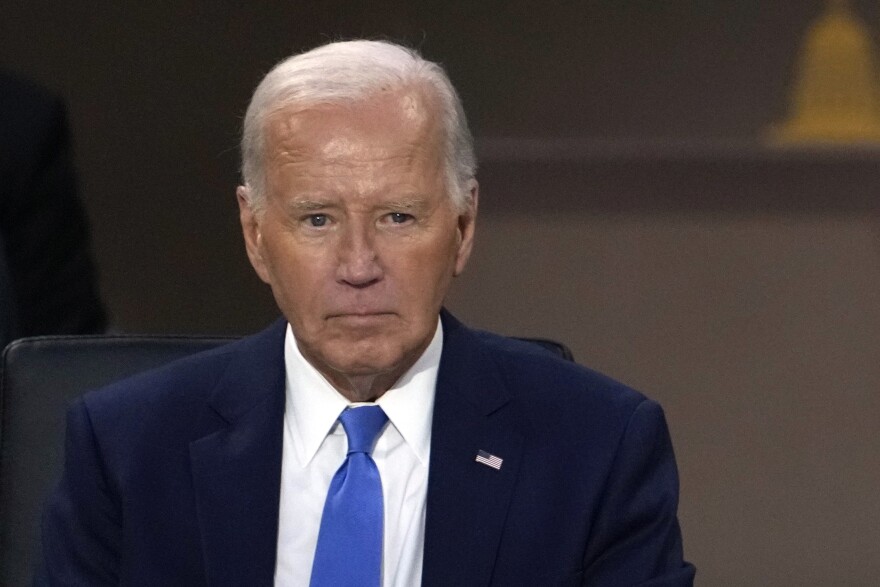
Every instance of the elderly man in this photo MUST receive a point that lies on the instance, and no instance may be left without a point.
(368, 438)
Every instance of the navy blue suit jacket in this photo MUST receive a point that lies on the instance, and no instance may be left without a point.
(173, 477)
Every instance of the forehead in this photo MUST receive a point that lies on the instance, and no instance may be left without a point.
(399, 122)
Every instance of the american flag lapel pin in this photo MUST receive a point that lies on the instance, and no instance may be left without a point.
(489, 460)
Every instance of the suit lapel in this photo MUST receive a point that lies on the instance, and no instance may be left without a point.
(468, 501)
(237, 467)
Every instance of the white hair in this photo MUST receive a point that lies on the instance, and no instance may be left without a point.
(350, 71)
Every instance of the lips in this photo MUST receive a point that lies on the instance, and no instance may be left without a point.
(360, 314)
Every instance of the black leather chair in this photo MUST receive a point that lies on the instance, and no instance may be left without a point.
(40, 376)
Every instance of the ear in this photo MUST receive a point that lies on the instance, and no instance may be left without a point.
(250, 228)
(467, 222)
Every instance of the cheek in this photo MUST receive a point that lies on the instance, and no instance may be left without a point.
(295, 273)
(286, 253)
(427, 268)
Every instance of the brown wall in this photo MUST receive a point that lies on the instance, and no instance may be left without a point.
(640, 224)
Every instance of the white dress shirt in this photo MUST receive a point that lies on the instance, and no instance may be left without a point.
(315, 446)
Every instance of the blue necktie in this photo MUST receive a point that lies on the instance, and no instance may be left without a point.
(349, 551)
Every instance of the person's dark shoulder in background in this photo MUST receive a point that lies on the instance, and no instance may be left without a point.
(50, 276)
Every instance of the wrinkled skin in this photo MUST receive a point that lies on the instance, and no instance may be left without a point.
(359, 239)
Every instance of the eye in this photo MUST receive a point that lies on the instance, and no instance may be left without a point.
(399, 217)
(317, 220)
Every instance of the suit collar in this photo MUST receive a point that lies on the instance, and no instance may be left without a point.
(237, 466)
(466, 372)
(468, 501)
(254, 374)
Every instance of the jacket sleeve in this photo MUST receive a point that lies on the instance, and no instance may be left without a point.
(81, 530)
(636, 538)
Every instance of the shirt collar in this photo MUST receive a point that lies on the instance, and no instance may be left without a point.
(313, 404)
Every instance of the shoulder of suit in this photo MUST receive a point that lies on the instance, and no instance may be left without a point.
(177, 383)
(527, 367)
(176, 380)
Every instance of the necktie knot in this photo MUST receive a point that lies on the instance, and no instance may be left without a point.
(362, 425)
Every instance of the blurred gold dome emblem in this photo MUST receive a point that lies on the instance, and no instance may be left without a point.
(836, 97)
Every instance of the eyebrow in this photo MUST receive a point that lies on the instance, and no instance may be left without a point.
(309, 205)
(413, 202)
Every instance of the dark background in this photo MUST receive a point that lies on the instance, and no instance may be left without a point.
(157, 91)
(628, 207)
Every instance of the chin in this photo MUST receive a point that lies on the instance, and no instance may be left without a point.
(363, 364)
(365, 357)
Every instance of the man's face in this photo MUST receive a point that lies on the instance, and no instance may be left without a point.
(358, 239)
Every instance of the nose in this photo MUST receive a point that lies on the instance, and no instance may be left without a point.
(358, 260)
